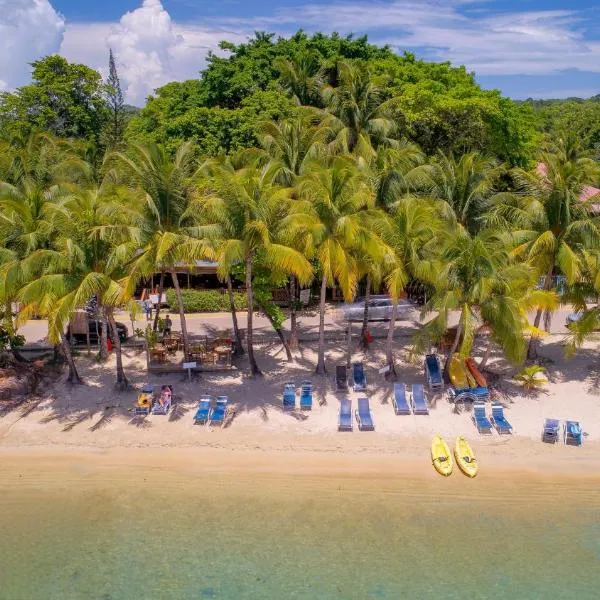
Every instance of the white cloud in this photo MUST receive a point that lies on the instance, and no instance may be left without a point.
(527, 42)
(150, 48)
(29, 29)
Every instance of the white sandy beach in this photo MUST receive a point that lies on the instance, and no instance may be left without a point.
(95, 416)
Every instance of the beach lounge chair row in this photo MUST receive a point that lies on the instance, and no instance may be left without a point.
(359, 379)
(497, 419)
(362, 414)
(572, 432)
(417, 400)
(211, 413)
(289, 396)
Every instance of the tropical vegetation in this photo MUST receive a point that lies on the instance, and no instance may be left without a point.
(314, 160)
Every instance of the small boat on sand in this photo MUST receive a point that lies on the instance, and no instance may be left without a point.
(440, 456)
(465, 458)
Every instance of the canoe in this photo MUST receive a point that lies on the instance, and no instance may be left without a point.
(440, 456)
(465, 458)
(458, 373)
(479, 378)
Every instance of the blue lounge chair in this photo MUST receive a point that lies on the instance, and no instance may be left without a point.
(573, 433)
(359, 380)
(217, 414)
(551, 430)
(499, 420)
(433, 373)
(480, 419)
(401, 406)
(419, 403)
(306, 396)
(345, 416)
(341, 378)
(289, 396)
(201, 416)
(363, 415)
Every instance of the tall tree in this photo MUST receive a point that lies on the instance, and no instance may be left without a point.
(246, 214)
(553, 221)
(115, 127)
(339, 212)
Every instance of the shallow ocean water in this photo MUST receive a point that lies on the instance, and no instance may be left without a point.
(274, 537)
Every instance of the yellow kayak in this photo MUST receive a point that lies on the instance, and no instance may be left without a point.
(465, 458)
(440, 456)
(458, 372)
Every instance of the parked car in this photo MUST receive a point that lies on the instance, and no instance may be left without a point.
(380, 308)
(95, 328)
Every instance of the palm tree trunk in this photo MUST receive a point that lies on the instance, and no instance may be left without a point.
(454, 347)
(389, 352)
(293, 316)
(103, 332)
(254, 370)
(349, 344)
(365, 323)
(534, 341)
(238, 349)
(66, 350)
(184, 331)
(161, 285)
(284, 342)
(321, 370)
(122, 383)
(486, 354)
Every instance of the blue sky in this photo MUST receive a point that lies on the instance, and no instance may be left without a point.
(526, 48)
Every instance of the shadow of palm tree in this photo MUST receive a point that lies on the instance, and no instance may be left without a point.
(77, 420)
(178, 412)
(104, 420)
(140, 421)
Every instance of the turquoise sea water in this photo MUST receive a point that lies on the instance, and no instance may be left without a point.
(276, 537)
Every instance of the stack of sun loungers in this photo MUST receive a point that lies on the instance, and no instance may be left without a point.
(289, 396)
(401, 406)
(363, 415)
(433, 373)
(345, 416)
(201, 416)
(480, 419)
(419, 403)
(306, 396)
(359, 381)
(341, 378)
(218, 413)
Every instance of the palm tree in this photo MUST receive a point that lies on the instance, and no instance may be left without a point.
(465, 186)
(477, 278)
(302, 77)
(163, 237)
(553, 225)
(246, 215)
(339, 212)
(415, 228)
(290, 147)
(360, 112)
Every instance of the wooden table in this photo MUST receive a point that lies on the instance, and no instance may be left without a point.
(158, 354)
(224, 351)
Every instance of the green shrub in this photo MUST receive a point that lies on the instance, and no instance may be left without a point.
(195, 301)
